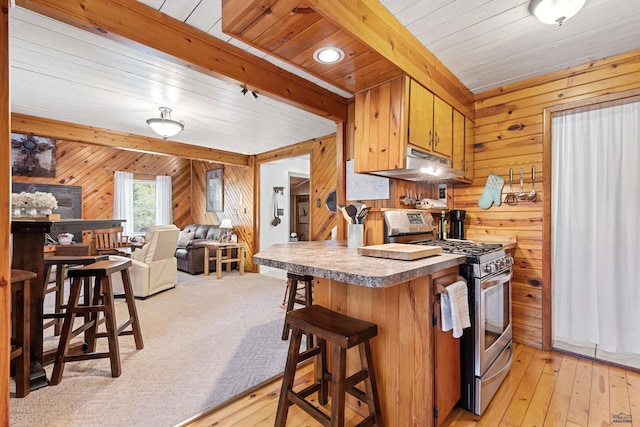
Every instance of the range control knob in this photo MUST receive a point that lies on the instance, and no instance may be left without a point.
(487, 268)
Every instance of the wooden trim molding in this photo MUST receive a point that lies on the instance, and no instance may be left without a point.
(126, 141)
(127, 21)
(5, 227)
(583, 104)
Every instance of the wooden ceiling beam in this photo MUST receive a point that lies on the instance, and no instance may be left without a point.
(134, 23)
(21, 123)
(372, 24)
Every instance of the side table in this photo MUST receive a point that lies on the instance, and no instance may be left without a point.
(223, 254)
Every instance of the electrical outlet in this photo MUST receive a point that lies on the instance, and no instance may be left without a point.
(442, 191)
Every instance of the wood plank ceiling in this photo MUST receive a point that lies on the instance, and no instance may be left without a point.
(68, 74)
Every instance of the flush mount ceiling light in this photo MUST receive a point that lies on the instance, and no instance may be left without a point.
(555, 11)
(164, 126)
(328, 55)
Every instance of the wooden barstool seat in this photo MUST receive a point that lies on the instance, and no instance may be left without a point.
(20, 327)
(61, 262)
(102, 301)
(295, 283)
(343, 332)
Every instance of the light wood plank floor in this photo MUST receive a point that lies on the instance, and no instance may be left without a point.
(543, 389)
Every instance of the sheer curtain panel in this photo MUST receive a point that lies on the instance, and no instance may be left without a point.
(123, 200)
(164, 213)
(595, 234)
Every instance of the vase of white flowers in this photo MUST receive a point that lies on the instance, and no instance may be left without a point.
(33, 204)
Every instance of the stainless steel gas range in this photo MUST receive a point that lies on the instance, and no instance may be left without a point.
(486, 347)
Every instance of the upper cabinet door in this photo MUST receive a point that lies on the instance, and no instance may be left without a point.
(458, 157)
(443, 127)
(469, 148)
(421, 132)
(380, 127)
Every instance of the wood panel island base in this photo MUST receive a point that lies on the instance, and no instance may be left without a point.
(399, 297)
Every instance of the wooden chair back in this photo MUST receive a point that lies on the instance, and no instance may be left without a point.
(107, 239)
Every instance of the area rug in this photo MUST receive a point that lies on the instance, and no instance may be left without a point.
(205, 341)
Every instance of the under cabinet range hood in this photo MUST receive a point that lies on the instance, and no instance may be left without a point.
(421, 166)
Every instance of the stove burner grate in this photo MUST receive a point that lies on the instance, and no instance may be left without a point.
(462, 247)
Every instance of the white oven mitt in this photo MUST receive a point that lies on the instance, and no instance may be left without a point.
(492, 192)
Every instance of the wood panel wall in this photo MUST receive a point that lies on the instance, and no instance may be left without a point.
(509, 134)
(324, 179)
(92, 166)
(237, 203)
(5, 189)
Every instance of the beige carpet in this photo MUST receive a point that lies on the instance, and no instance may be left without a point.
(205, 341)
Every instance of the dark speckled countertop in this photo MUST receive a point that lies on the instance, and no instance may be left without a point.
(331, 259)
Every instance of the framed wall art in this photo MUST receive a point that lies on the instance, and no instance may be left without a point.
(303, 210)
(33, 155)
(215, 190)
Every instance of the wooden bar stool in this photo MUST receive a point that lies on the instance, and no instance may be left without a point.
(343, 332)
(294, 281)
(20, 326)
(61, 262)
(103, 301)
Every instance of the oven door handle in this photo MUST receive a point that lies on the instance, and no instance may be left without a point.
(497, 281)
(506, 366)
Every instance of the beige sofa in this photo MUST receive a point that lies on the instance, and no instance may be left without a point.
(154, 266)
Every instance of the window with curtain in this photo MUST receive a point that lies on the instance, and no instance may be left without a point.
(595, 240)
(142, 202)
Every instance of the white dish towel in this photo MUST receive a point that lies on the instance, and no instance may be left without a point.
(454, 307)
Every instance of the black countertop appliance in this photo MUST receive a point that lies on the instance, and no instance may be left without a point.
(457, 224)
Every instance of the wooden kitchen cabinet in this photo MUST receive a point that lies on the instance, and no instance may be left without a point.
(469, 148)
(420, 116)
(458, 156)
(447, 368)
(395, 115)
(442, 128)
(380, 137)
(463, 145)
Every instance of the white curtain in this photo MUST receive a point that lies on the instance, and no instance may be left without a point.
(595, 234)
(123, 200)
(164, 213)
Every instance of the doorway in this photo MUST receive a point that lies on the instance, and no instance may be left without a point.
(299, 207)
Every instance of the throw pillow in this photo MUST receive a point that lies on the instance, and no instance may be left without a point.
(185, 238)
(140, 253)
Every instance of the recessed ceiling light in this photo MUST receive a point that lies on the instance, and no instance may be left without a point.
(328, 55)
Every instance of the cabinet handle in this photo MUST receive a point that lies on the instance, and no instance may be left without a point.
(437, 139)
(431, 139)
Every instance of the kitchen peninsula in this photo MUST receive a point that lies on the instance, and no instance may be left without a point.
(399, 297)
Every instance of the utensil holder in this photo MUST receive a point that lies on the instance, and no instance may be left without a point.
(355, 236)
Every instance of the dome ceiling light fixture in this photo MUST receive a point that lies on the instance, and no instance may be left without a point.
(165, 126)
(555, 11)
(328, 55)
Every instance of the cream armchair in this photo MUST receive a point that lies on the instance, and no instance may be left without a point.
(154, 266)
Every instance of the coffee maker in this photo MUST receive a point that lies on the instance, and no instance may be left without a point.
(457, 224)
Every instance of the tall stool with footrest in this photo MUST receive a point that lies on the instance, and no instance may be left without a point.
(20, 327)
(102, 301)
(292, 298)
(343, 332)
(61, 262)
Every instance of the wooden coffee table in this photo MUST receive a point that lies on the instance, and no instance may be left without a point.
(223, 253)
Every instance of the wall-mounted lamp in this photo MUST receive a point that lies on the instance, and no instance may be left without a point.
(165, 126)
(555, 11)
